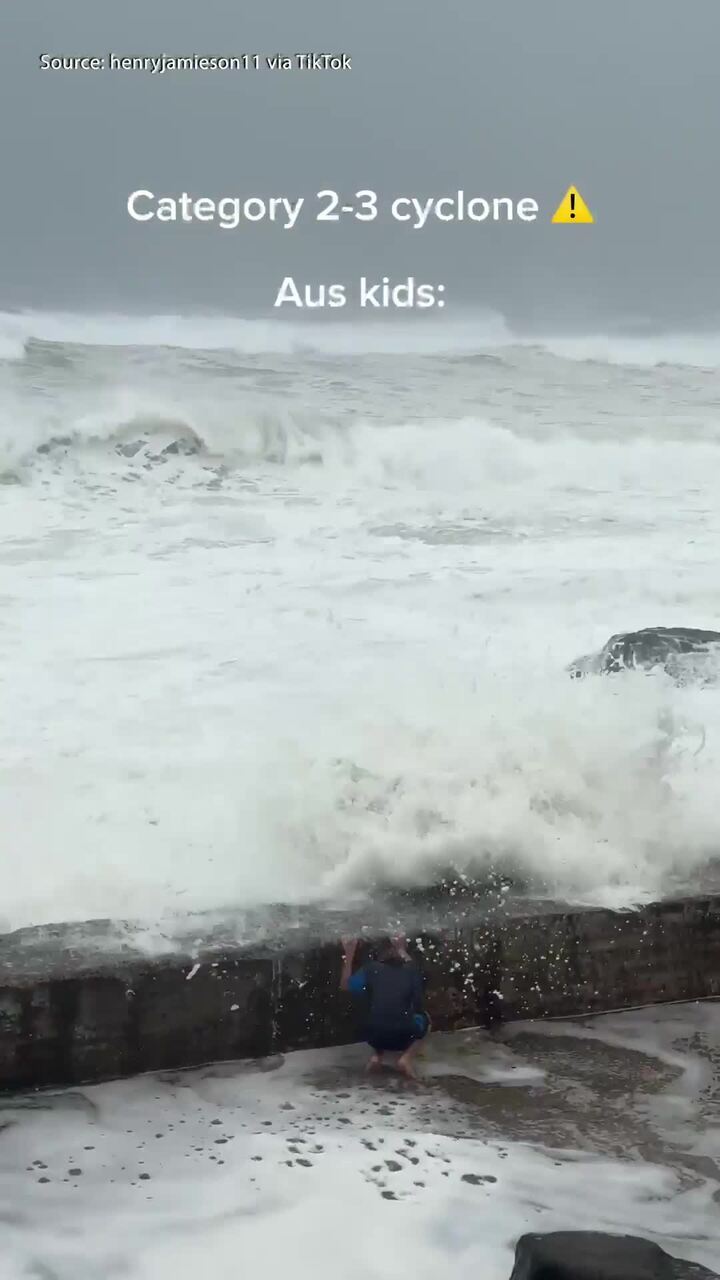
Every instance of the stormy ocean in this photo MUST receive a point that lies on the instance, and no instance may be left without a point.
(286, 615)
(286, 611)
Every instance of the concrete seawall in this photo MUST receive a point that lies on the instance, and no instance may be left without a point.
(81, 1003)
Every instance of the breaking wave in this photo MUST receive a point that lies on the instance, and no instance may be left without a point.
(346, 669)
(250, 337)
(607, 795)
(434, 455)
(467, 334)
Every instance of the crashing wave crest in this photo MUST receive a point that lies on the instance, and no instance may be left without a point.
(472, 333)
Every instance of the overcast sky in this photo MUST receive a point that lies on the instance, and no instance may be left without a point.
(509, 97)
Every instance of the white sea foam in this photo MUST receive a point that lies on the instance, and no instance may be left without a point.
(159, 1178)
(699, 350)
(280, 626)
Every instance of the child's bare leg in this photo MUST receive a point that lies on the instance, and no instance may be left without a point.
(406, 1061)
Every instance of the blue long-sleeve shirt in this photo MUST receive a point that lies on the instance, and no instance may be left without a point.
(395, 993)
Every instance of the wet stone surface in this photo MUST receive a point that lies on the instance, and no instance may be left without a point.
(609, 1120)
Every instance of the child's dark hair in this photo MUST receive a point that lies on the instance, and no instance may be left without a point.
(387, 952)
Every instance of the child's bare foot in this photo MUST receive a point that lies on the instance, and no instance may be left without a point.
(406, 1068)
(375, 1062)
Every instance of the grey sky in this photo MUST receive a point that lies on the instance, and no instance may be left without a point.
(504, 98)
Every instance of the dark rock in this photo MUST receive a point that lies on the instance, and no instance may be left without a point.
(187, 446)
(594, 1255)
(55, 442)
(685, 653)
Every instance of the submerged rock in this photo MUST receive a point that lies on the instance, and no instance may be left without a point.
(54, 443)
(594, 1255)
(684, 653)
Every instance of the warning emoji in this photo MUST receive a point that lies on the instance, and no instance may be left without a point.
(572, 208)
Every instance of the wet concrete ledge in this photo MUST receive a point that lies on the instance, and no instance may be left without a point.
(81, 1003)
